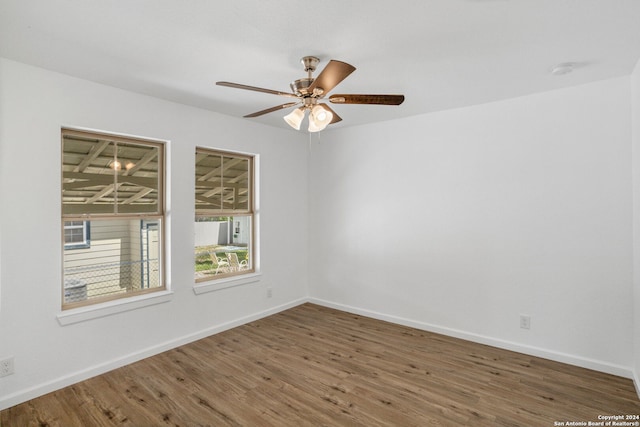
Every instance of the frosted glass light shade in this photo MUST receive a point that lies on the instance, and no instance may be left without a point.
(319, 118)
(313, 127)
(294, 118)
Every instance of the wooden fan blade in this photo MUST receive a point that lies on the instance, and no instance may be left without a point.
(336, 117)
(256, 89)
(367, 99)
(331, 75)
(271, 110)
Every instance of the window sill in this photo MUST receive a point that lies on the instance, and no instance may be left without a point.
(216, 285)
(82, 314)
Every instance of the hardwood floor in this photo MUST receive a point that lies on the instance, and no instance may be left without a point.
(311, 366)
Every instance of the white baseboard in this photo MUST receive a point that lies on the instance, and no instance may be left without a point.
(636, 382)
(609, 368)
(41, 389)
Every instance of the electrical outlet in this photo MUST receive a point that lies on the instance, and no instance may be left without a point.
(269, 292)
(6, 367)
(525, 321)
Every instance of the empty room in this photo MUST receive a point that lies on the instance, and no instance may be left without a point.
(287, 213)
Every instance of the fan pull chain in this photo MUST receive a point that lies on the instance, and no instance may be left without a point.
(311, 136)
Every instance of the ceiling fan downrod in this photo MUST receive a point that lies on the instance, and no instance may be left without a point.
(301, 86)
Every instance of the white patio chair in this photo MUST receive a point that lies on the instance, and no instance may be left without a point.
(219, 263)
(235, 263)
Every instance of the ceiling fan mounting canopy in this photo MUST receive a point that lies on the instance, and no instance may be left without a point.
(308, 91)
(310, 63)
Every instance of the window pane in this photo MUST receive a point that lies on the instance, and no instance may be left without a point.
(101, 176)
(124, 257)
(137, 178)
(87, 180)
(222, 183)
(235, 179)
(222, 246)
(208, 182)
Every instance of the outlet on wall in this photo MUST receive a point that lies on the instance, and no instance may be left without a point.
(6, 367)
(525, 321)
(269, 292)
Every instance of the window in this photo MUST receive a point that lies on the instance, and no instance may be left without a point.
(224, 222)
(113, 187)
(76, 234)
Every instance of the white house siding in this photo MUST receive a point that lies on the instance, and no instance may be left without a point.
(112, 262)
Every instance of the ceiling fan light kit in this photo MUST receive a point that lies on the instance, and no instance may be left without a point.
(308, 91)
(319, 116)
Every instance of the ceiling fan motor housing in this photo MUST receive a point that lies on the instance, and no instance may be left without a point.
(300, 86)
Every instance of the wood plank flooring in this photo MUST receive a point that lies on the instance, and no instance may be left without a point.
(314, 366)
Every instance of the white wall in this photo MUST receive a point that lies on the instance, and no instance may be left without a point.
(635, 114)
(34, 104)
(460, 221)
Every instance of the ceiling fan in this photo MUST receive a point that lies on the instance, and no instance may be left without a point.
(307, 92)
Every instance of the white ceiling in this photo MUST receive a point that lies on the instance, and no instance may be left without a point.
(440, 53)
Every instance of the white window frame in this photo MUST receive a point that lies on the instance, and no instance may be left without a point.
(128, 298)
(240, 276)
